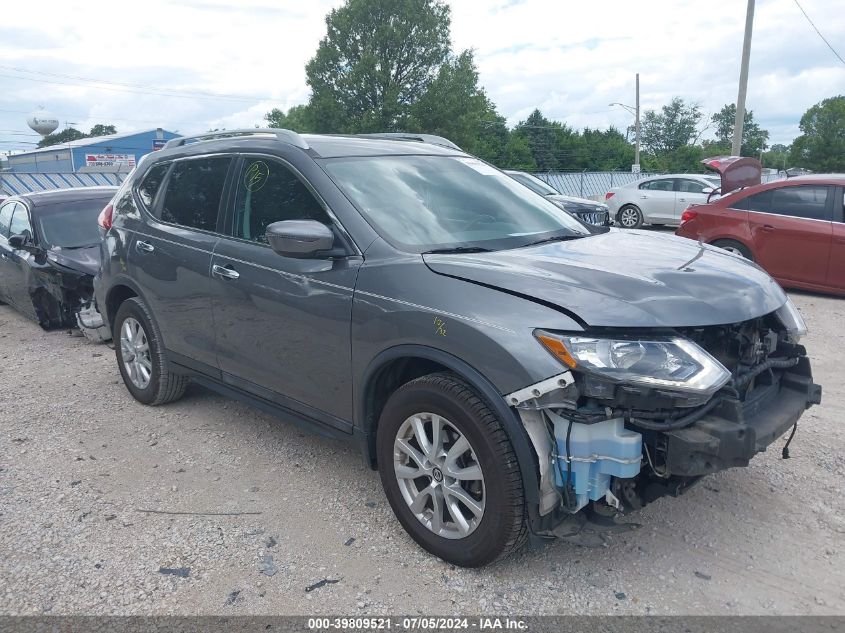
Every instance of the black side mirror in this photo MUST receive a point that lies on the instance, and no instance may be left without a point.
(19, 241)
(302, 239)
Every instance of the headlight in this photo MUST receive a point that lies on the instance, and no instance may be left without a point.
(563, 205)
(792, 321)
(667, 363)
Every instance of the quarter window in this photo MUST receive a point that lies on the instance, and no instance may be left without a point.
(665, 184)
(6, 218)
(801, 201)
(149, 186)
(193, 192)
(267, 192)
(20, 221)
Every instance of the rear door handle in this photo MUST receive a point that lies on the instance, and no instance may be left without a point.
(224, 272)
(144, 247)
(644, 197)
(682, 199)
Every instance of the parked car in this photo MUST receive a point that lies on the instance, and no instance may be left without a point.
(658, 200)
(584, 209)
(793, 228)
(49, 253)
(507, 369)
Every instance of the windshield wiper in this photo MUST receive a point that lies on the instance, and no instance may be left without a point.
(457, 249)
(557, 238)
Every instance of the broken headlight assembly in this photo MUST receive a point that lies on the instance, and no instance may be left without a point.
(666, 363)
(792, 321)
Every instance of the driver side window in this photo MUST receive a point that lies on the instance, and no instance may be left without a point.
(6, 218)
(268, 192)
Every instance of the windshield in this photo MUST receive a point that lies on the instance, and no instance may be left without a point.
(71, 224)
(423, 203)
(533, 183)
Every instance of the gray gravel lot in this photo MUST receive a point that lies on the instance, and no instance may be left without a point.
(82, 465)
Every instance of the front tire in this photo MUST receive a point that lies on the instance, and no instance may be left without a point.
(141, 357)
(450, 473)
(629, 217)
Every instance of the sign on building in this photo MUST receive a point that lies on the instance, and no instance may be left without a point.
(159, 143)
(110, 160)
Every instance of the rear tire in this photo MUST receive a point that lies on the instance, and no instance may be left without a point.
(737, 248)
(629, 217)
(476, 488)
(141, 357)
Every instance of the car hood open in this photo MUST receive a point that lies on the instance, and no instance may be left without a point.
(84, 260)
(625, 279)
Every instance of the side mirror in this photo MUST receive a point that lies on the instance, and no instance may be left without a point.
(301, 239)
(20, 241)
(708, 190)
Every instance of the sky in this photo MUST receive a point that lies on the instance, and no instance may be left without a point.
(195, 65)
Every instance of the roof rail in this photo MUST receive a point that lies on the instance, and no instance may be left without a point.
(285, 136)
(431, 139)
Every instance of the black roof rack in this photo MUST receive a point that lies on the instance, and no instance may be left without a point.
(285, 136)
(431, 139)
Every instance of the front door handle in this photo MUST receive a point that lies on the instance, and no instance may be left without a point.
(682, 199)
(144, 247)
(767, 227)
(224, 272)
(644, 197)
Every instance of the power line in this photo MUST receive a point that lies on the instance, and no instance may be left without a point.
(815, 28)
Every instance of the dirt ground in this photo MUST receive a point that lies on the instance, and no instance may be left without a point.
(85, 472)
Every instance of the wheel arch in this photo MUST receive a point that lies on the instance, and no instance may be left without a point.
(397, 365)
(121, 290)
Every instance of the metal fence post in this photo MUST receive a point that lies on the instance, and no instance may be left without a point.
(582, 185)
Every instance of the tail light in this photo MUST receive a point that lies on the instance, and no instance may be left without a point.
(609, 195)
(105, 217)
(688, 215)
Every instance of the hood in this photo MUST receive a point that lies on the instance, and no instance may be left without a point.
(626, 279)
(592, 204)
(84, 260)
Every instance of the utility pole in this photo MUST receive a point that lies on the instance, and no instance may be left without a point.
(637, 150)
(743, 81)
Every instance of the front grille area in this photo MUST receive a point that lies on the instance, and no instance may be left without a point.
(593, 217)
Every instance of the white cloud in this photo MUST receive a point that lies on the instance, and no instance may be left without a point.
(571, 59)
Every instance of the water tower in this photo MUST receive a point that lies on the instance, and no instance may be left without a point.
(42, 122)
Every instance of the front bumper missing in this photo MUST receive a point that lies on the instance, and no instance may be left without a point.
(92, 325)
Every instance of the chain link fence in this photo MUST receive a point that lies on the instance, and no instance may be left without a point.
(594, 184)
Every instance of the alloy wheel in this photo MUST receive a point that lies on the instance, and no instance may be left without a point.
(734, 250)
(135, 352)
(439, 476)
(629, 217)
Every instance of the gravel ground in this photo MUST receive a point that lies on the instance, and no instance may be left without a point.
(82, 465)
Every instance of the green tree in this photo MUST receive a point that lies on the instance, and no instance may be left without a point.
(102, 130)
(821, 146)
(777, 157)
(377, 59)
(606, 150)
(298, 119)
(674, 127)
(754, 138)
(517, 153)
(65, 136)
(542, 140)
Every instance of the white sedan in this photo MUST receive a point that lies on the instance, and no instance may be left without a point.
(658, 199)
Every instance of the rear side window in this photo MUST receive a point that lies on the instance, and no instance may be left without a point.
(658, 185)
(192, 198)
(691, 186)
(758, 202)
(6, 217)
(801, 201)
(149, 186)
(267, 192)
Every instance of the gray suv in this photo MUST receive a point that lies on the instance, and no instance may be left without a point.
(510, 371)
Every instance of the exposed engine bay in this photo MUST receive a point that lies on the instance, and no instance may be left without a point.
(611, 441)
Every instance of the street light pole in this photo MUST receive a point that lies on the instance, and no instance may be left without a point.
(637, 150)
(743, 81)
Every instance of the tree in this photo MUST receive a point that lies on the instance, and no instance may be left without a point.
(821, 146)
(542, 141)
(754, 138)
(777, 157)
(672, 129)
(298, 119)
(65, 136)
(517, 154)
(606, 150)
(377, 59)
(102, 130)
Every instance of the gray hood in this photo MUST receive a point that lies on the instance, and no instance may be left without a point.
(626, 279)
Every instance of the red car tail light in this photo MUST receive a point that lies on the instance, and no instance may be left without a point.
(609, 195)
(688, 215)
(105, 217)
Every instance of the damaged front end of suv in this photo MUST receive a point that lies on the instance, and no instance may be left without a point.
(637, 416)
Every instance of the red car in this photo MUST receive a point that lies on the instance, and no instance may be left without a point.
(793, 228)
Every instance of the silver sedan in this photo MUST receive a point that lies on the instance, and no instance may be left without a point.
(658, 199)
